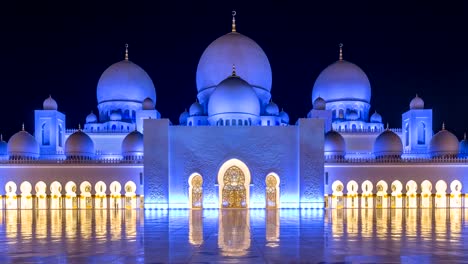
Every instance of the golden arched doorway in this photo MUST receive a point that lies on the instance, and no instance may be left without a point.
(272, 191)
(234, 191)
(196, 191)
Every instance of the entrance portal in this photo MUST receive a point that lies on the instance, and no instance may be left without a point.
(234, 182)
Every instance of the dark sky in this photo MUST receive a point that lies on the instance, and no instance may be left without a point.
(404, 49)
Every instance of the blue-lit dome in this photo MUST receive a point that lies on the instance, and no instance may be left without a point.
(232, 98)
(376, 118)
(183, 117)
(271, 109)
(233, 48)
(23, 145)
(417, 103)
(444, 144)
(196, 109)
(284, 117)
(132, 145)
(388, 144)
(125, 81)
(335, 144)
(79, 145)
(91, 118)
(342, 81)
(49, 104)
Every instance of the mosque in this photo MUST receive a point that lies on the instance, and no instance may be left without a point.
(234, 148)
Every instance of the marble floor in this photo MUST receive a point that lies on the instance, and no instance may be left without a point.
(234, 236)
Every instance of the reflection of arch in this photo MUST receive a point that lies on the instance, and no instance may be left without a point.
(195, 182)
(233, 232)
(272, 182)
(234, 181)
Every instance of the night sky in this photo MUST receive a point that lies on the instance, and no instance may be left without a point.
(404, 49)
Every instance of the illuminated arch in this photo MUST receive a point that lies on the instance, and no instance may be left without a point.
(195, 182)
(246, 172)
(26, 201)
(352, 187)
(455, 187)
(337, 188)
(382, 187)
(272, 182)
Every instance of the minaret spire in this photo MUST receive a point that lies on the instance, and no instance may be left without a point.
(126, 52)
(234, 21)
(341, 51)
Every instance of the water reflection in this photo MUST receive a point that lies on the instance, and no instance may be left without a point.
(234, 232)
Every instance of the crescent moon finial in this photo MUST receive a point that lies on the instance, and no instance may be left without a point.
(234, 21)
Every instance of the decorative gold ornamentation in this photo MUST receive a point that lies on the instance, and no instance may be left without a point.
(234, 192)
(197, 191)
(271, 190)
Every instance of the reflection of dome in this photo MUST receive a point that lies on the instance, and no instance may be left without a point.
(23, 145)
(376, 118)
(79, 145)
(233, 48)
(319, 103)
(388, 144)
(196, 109)
(444, 143)
(3, 147)
(342, 81)
(234, 96)
(271, 109)
(417, 103)
(125, 81)
(284, 116)
(464, 147)
(132, 145)
(91, 118)
(49, 104)
(183, 117)
(335, 144)
(115, 116)
(148, 104)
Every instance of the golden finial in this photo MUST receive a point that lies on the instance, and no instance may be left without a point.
(341, 51)
(126, 52)
(234, 21)
(443, 125)
(234, 70)
(22, 127)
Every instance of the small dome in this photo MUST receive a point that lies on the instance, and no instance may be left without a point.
(196, 109)
(148, 104)
(271, 109)
(464, 147)
(234, 96)
(342, 81)
(233, 48)
(319, 103)
(91, 118)
(183, 117)
(284, 117)
(79, 145)
(49, 104)
(335, 144)
(388, 143)
(352, 115)
(3, 147)
(376, 118)
(132, 145)
(125, 81)
(416, 103)
(23, 145)
(444, 143)
(115, 116)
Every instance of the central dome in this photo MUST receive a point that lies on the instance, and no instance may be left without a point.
(125, 81)
(233, 48)
(233, 97)
(342, 81)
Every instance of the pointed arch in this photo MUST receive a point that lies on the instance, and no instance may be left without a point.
(272, 182)
(195, 182)
(237, 170)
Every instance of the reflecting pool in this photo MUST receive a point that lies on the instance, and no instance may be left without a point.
(234, 236)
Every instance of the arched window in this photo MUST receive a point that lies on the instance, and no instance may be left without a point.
(60, 135)
(353, 127)
(190, 123)
(268, 123)
(407, 134)
(341, 113)
(334, 113)
(199, 122)
(421, 133)
(114, 127)
(246, 123)
(126, 114)
(133, 115)
(228, 123)
(45, 134)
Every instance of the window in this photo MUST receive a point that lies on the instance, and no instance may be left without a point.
(407, 134)
(341, 113)
(45, 134)
(421, 133)
(60, 135)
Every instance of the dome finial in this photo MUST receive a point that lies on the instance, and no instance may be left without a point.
(79, 126)
(234, 70)
(126, 51)
(464, 136)
(234, 21)
(387, 126)
(22, 127)
(443, 125)
(1, 137)
(341, 51)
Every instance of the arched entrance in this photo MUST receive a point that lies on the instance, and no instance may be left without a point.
(272, 191)
(195, 191)
(234, 181)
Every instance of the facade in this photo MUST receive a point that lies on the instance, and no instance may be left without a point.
(233, 148)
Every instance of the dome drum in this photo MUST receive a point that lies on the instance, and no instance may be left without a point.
(126, 109)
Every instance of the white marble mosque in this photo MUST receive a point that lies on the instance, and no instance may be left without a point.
(234, 148)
